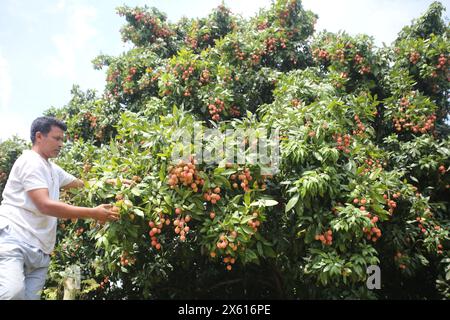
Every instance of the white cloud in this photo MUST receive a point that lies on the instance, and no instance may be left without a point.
(71, 44)
(5, 84)
(382, 19)
(247, 8)
(56, 7)
(13, 124)
(20, 10)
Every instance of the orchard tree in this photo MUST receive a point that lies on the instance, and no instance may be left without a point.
(10, 150)
(361, 178)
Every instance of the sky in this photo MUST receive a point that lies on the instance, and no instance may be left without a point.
(46, 46)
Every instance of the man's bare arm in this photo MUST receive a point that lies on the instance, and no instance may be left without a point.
(62, 210)
(77, 183)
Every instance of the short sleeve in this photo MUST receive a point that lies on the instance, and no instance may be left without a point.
(33, 177)
(64, 177)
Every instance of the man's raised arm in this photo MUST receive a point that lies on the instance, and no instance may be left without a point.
(58, 209)
(77, 183)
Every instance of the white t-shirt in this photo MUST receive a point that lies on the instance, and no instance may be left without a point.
(30, 172)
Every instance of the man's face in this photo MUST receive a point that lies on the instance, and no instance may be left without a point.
(51, 143)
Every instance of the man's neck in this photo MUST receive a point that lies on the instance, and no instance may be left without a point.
(36, 149)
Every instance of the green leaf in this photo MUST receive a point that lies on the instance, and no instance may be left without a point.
(260, 248)
(246, 219)
(228, 172)
(168, 200)
(162, 172)
(89, 285)
(247, 198)
(250, 255)
(137, 192)
(292, 202)
(138, 212)
(269, 252)
(247, 229)
(264, 203)
(222, 181)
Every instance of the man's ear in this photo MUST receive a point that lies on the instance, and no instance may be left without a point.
(38, 135)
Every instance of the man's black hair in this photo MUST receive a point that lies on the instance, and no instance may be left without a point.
(44, 125)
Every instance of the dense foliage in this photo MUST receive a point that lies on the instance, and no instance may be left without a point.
(363, 172)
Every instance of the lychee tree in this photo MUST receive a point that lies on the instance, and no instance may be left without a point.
(10, 150)
(363, 170)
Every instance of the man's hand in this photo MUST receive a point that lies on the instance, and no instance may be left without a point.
(104, 213)
(45, 205)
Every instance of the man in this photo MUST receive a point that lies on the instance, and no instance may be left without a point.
(29, 212)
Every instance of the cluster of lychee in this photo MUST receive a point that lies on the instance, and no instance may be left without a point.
(339, 55)
(370, 165)
(358, 58)
(255, 58)
(391, 203)
(343, 142)
(234, 111)
(440, 249)
(185, 174)
(187, 72)
(362, 201)
(421, 224)
(254, 223)
(295, 102)
(91, 118)
(414, 57)
(206, 37)
(139, 15)
(151, 22)
(155, 229)
(397, 257)
(205, 75)
(104, 282)
(72, 250)
(228, 260)
(261, 26)
(321, 54)
(181, 224)
(326, 238)
(404, 102)
(405, 123)
(271, 44)
(442, 61)
(239, 54)
(364, 70)
(242, 179)
(361, 127)
(87, 167)
(224, 242)
(343, 75)
(216, 108)
(126, 259)
(191, 41)
(128, 79)
(212, 195)
(372, 233)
